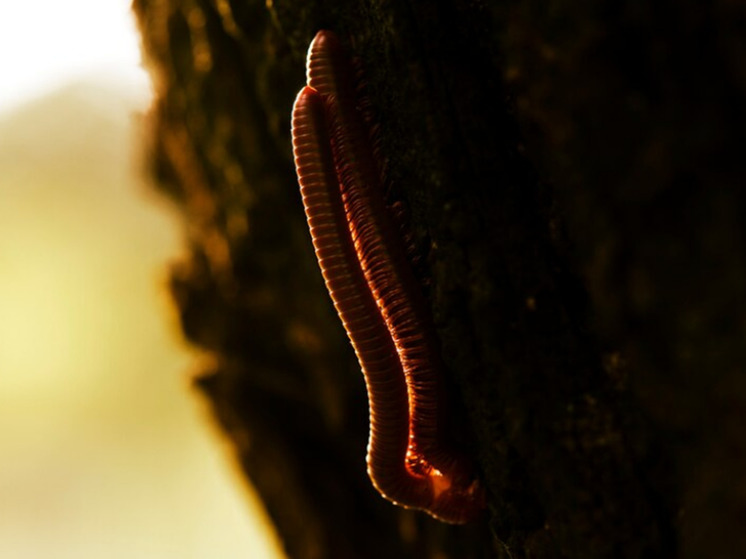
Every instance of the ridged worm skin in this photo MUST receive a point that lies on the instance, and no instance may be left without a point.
(387, 391)
(382, 256)
(381, 294)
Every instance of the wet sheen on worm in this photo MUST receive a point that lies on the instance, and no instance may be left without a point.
(380, 303)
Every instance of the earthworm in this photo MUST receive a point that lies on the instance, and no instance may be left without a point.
(377, 296)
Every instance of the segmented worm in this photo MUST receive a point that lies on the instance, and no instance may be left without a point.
(374, 290)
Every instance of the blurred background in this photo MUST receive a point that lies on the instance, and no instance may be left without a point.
(105, 449)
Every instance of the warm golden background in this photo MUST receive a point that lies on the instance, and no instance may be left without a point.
(105, 450)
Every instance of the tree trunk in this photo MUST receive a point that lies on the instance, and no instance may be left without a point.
(573, 178)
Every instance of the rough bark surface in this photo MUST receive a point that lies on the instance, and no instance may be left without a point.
(574, 175)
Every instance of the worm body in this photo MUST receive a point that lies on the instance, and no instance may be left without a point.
(374, 290)
(381, 254)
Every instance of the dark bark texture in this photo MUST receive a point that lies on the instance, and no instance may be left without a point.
(574, 180)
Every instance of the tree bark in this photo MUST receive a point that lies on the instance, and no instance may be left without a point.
(573, 176)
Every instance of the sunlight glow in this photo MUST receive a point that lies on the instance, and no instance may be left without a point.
(45, 43)
(105, 448)
(35, 329)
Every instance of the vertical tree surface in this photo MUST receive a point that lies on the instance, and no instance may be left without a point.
(573, 176)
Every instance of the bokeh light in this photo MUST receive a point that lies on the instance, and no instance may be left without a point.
(105, 449)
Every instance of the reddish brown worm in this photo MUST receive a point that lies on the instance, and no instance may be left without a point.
(374, 290)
